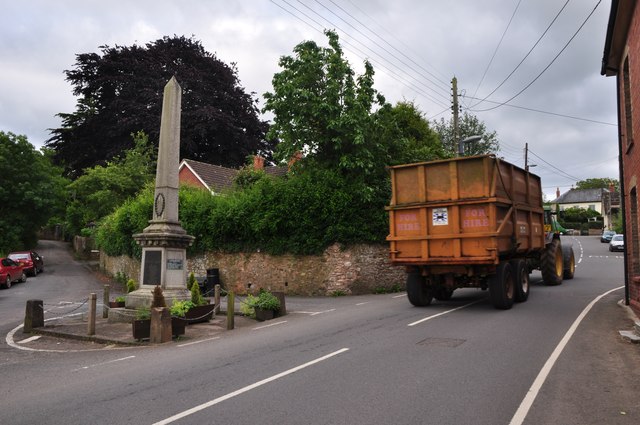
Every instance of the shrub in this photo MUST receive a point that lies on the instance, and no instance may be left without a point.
(191, 281)
(180, 308)
(267, 301)
(158, 298)
(248, 306)
(196, 297)
(131, 285)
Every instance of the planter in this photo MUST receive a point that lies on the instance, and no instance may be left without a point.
(262, 314)
(116, 304)
(200, 313)
(142, 327)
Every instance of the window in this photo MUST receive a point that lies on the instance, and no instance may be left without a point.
(628, 118)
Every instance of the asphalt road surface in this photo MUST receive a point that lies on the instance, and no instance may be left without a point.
(374, 359)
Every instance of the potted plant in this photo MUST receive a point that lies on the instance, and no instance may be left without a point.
(117, 303)
(200, 310)
(266, 305)
(141, 325)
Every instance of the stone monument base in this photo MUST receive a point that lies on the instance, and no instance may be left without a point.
(143, 297)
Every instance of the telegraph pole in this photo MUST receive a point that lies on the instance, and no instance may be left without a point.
(526, 156)
(454, 108)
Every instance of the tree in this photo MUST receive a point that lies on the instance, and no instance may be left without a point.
(103, 188)
(408, 134)
(599, 183)
(32, 192)
(120, 93)
(323, 110)
(468, 126)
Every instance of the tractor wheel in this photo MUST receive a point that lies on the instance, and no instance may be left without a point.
(521, 279)
(552, 264)
(569, 262)
(418, 292)
(502, 287)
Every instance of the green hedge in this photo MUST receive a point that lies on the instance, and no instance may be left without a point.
(302, 214)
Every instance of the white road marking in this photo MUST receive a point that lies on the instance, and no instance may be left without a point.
(581, 250)
(443, 313)
(399, 296)
(532, 393)
(32, 338)
(247, 388)
(322, 312)
(198, 342)
(367, 302)
(103, 363)
(269, 325)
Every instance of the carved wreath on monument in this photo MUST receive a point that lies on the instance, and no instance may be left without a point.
(159, 204)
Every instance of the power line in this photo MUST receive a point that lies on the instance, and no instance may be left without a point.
(497, 48)
(525, 56)
(547, 67)
(542, 112)
(553, 166)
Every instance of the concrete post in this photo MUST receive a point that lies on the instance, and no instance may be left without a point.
(91, 326)
(216, 298)
(231, 297)
(105, 301)
(160, 325)
(33, 316)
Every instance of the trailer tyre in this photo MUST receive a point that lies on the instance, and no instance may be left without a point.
(521, 279)
(442, 293)
(552, 264)
(569, 262)
(420, 295)
(502, 287)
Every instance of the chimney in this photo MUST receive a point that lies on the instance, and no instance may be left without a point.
(295, 158)
(611, 188)
(557, 192)
(258, 162)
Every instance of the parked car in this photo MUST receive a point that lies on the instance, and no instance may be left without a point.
(11, 272)
(30, 260)
(617, 243)
(606, 236)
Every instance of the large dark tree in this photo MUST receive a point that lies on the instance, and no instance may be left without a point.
(120, 93)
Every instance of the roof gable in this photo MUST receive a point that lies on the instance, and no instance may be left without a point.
(577, 196)
(218, 178)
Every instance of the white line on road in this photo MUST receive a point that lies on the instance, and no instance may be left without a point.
(269, 325)
(247, 388)
(528, 400)
(322, 312)
(443, 313)
(198, 342)
(32, 338)
(104, 363)
(367, 302)
(581, 250)
(399, 296)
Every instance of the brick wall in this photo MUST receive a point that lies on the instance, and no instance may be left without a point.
(186, 177)
(631, 157)
(357, 270)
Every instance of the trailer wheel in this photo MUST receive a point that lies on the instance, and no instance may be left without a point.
(569, 262)
(442, 293)
(502, 287)
(551, 263)
(521, 279)
(418, 292)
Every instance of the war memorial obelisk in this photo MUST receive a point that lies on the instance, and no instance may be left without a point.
(164, 241)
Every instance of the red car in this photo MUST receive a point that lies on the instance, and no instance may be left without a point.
(10, 272)
(30, 260)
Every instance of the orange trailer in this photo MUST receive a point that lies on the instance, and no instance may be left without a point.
(472, 222)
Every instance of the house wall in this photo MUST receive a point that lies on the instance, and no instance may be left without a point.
(631, 158)
(185, 176)
(585, 205)
(360, 269)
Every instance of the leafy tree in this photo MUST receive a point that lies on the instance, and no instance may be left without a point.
(32, 192)
(408, 134)
(599, 183)
(102, 189)
(468, 125)
(578, 215)
(323, 110)
(120, 93)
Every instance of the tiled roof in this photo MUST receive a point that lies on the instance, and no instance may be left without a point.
(576, 196)
(219, 178)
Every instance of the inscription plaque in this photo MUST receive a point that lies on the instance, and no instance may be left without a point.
(174, 264)
(152, 267)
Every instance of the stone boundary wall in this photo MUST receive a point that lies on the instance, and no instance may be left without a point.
(359, 269)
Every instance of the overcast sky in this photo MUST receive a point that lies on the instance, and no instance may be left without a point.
(416, 47)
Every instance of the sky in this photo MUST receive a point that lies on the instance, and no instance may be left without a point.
(536, 62)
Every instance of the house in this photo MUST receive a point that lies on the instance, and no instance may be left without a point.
(622, 59)
(216, 178)
(588, 199)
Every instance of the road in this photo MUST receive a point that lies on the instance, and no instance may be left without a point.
(371, 359)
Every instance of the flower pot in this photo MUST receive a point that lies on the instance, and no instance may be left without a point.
(200, 313)
(116, 304)
(178, 325)
(262, 314)
(141, 329)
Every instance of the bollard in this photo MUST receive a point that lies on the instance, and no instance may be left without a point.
(91, 326)
(231, 297)
(34, 316)
(216, 298)
(160, 325)
(105, 302)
